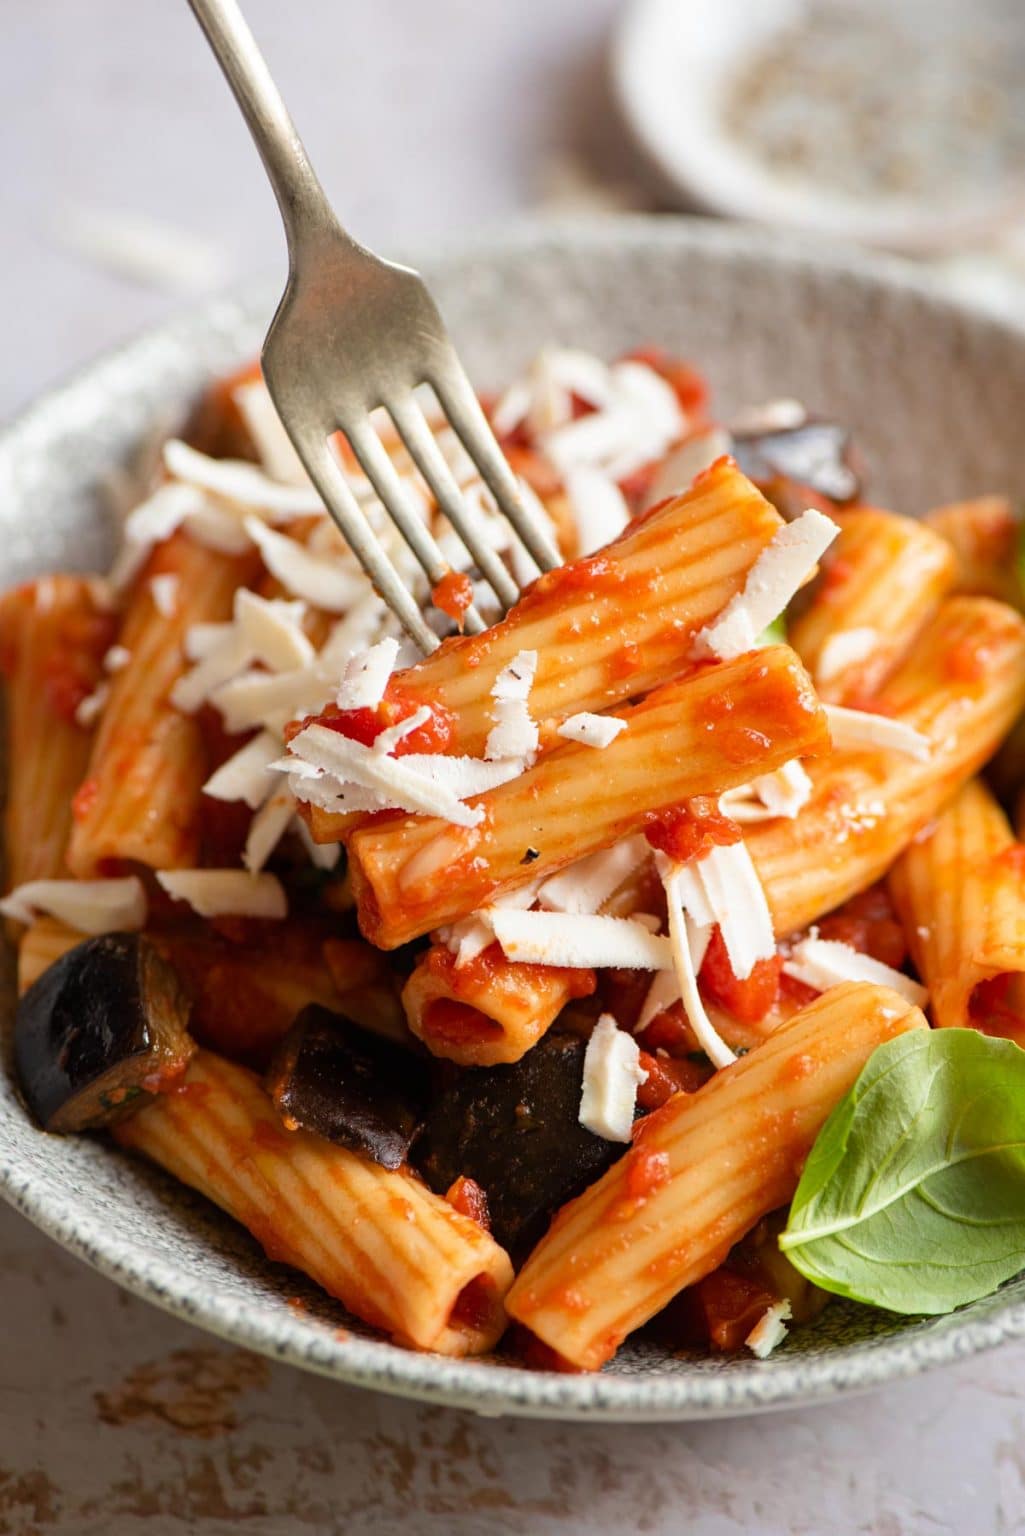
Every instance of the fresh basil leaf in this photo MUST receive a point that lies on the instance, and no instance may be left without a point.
(774, 633)
(913, 1197)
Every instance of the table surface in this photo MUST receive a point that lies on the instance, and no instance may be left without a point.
(111, 1413)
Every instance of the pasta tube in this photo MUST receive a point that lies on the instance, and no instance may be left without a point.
(983, 534)
(963, 687)
(52, 642)
(489, 1010)
(881, 581)
(960, 893)
(398, 1256)
(606, 628)
(713, 729)
(148, 766)
(702, 1171)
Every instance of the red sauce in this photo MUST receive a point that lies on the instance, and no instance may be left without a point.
(670, 1031)
(467, 1197)
(667, 1076)
(749, 1000)
(995, 1007)
(539, 1356)
(687, 383)
(84, 799)
(453, 595)
(625, 661)
(869, 924)
(967, 661)
(646, 1171)
(690, 830)
(364, 725)
(836, 573)
(475, 1304)
(720, 1311)
(450, 1022)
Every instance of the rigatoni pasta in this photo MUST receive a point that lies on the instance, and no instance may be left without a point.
(561, 952)
(705, 1169)
(883, 578)
(396, 1255)
(960, 891)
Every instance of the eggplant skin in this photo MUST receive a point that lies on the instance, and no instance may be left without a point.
(817, 454)
(343, 1083)
(515, 1130)
(99, 1032)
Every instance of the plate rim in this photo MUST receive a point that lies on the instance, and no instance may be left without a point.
(493, 1389)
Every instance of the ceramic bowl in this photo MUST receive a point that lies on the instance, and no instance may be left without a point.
(933, 394)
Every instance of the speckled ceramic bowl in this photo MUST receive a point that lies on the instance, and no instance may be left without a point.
(933, 393)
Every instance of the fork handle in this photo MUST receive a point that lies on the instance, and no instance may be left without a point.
(304, 207)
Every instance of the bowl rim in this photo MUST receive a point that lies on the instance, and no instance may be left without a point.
(745, 1386)
(712, 173)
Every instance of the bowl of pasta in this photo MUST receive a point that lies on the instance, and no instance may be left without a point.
(618, 1012)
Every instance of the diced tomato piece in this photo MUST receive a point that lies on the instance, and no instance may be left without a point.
(718, 1312)
(868, 923)
(666, 1076)
(750, 999)
(691, 830)
(469, 1199)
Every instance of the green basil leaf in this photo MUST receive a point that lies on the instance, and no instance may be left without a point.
(913, 1197)
(774, 633)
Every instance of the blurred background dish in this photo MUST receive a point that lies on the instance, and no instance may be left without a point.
(895, 123)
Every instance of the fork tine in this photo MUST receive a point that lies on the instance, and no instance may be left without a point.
(327, 476)
(395, 498)
(412, 427)
(471, 426)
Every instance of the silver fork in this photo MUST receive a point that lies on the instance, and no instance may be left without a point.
(352, 333)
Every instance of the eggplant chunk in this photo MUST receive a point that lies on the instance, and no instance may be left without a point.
(350, 1086)
(515, 1130)
(100, 1031)
(816, 454)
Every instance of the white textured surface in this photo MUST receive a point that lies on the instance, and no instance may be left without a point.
(117, 107)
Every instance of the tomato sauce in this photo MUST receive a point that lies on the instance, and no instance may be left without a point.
(364, 725)
(467, 1197)
(690, 830)
(667, 1076)
(868, 923)
(749, 999)
(453, 595)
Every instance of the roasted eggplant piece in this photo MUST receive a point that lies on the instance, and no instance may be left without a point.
(515, 1131)
(350, 1086)
(99, 1031)
(816, 454)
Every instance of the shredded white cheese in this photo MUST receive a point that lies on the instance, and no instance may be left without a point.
(239, 482)
(854, 730)
(782, 793)
(89, 906)
(825, 963)
(164, 591)
(844, 648)
(681, 938)
(270, 439)
(734, 899)
(116, 659)
(783, 565)
(770, 1330)
(388, 739)
(612, 1075)
(514, 733)
(366, 676)
(585, 886)
(598, 505)
(390, 777)
(245, 776)
(579, 941)
(591, 730)
(267, 828)
(678, 469)
(152, 521)
(89, 709)
(226, 892)
(324, 581)
(272, 630)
